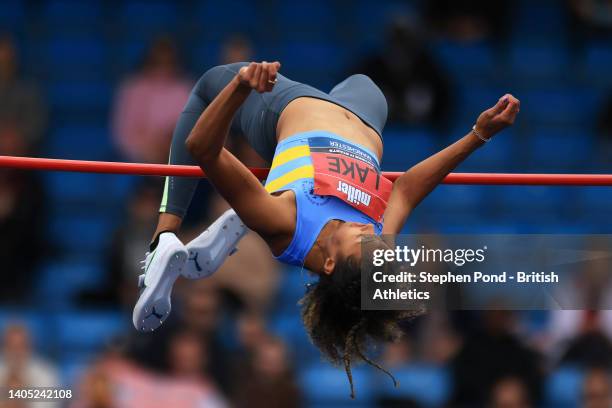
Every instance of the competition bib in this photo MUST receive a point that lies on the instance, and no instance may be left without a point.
(351, 174)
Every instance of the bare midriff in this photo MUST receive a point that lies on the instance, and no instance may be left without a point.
(305, 114)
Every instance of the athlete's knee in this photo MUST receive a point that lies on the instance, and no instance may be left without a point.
(219, 71)
(216, 78)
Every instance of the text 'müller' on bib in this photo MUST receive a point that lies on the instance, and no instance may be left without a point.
(349, 173)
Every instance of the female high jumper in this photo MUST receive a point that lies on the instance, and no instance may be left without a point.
(324, 193)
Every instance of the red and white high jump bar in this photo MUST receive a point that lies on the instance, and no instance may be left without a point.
(142, 169)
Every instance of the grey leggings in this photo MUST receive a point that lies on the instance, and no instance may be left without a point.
(257, 118)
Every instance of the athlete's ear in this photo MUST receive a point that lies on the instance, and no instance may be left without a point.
(329, 265)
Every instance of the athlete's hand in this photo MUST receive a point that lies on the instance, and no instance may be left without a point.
(260, 76)
(498, 117)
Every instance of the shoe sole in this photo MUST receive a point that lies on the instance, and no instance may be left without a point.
(232, 231)
(154, 304)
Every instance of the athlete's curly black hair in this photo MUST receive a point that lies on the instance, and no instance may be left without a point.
(332, 315)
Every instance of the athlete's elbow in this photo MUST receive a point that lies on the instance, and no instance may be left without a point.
(406, 187)
(191, 144)
(196, 148)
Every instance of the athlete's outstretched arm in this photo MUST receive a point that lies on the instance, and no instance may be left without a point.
(232, 179)
(416, 183)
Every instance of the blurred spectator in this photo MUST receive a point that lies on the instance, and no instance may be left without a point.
(130, 242)
(510, 392)
(188, 360)
(251, 328)
(416, 89)
(23, 114)
(583, 337)
(200, 309)
(490, 353)
(236, 49)
(187, 357)
(398, 353)
(597, 389)
(148, 105)
(201, 313)
(115, 381)
(19, 364)
(437, 341)
(269, 381)
(22, 206)
(593, 16)
(395, 356)
(22, 123)
(96, 390)
(591, 347)
(14, 382)
(468, 20)
(604, 129)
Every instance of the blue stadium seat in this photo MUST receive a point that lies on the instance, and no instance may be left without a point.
(75, 188)
(471, 61)
(60, 281)
(88, 331)
(595, 208)
(369, 23)
(560, 150)
(472, 100)
(500, 155)
(80, 142)
(143, 18)
(206, 54)
(452, 208)
(532, 204)
(455, 199)
(564, 387)
(75, 57)
(129, 54)
(428, 385)
(73, 368)
(538, 61)
(81, 233)
(325, 385)
(538, 21)
(218, 20)
(79, 96)
(598, 63)
(289, 327)
(12, 14)
(292, 288)
(306, 20)
(561, 106)
(405, 148)
(319, 64)
(60, 15)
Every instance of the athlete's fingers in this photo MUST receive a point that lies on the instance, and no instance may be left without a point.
(243, 71)
(500, 105)
(251, 70)
(254, 80)
(516, 102)
(509, 114)
(273, 70)
(263, 78)
(272, 76)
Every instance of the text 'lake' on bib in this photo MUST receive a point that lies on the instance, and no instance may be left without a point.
(350, 174)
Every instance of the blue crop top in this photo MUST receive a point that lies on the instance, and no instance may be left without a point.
(292, 169)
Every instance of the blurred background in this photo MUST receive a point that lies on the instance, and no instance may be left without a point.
(106, 80)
